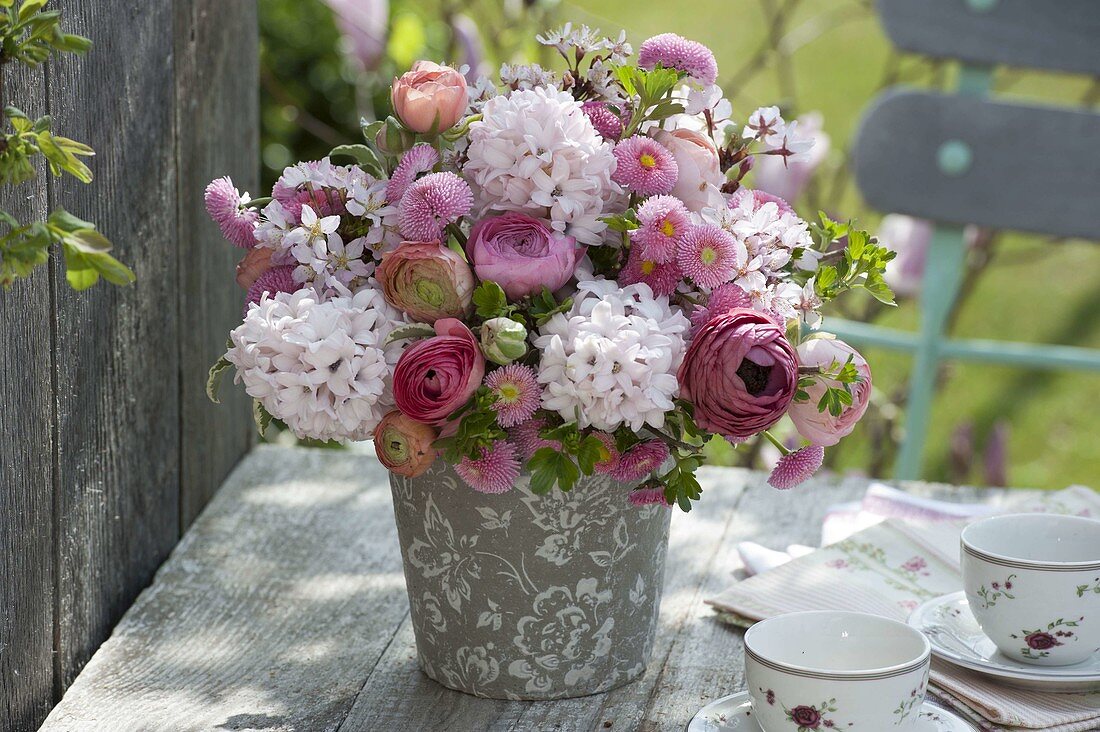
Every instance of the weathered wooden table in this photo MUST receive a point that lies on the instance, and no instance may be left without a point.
(284, 608)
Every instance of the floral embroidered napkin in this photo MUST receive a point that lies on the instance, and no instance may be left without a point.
(891, 568)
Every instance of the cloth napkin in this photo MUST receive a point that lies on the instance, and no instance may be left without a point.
(893, 566)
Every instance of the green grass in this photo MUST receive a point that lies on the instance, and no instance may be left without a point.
(1032, 290)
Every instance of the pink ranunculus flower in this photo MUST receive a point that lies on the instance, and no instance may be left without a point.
(740, 372)
(429, 96)
(699, 178)
(403, 445)
(822, 428)
(427, 281)
(521, 254)
(436, 376)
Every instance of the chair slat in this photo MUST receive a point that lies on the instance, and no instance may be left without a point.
(1011, 166)
(1051, 34)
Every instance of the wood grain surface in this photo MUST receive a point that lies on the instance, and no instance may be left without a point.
(284, 608)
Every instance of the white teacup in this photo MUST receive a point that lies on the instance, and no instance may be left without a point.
(1033, 583)
(823, 670)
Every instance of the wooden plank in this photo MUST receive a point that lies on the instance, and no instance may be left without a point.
(26, 460)
(1017, 178)
(270, 614)
(217, 115)
(1053, 34)
(117, 361)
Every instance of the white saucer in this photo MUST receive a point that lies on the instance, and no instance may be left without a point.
(733, 713)
(957, 638)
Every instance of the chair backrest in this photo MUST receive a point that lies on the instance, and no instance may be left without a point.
(963, 159)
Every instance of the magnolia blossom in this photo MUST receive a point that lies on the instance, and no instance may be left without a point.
(611, 360)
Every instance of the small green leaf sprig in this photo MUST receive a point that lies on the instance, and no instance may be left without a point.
(29, 34)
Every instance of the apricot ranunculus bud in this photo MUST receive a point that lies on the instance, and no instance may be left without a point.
(403, 445)
(821, 427)
(429, 97)
(503, 340)
(255, 262)
(427, 281)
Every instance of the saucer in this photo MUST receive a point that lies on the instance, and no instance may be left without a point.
(733, 713)
(957, 638)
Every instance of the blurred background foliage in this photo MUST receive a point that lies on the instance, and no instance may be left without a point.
(327, 63)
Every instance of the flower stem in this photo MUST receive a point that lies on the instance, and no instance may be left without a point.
(779, 445)
(456, 232)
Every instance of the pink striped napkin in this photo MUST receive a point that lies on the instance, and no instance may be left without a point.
(890, 568)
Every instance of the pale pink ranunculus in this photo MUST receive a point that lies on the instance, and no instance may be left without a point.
(788, 178)
(429, 96)
(255, 262)
(427, 281)
(521, 254)
(822, 428)
(700, 178)
(437, 375)
(740, 372)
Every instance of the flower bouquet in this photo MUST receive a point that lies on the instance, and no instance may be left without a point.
(540, 298)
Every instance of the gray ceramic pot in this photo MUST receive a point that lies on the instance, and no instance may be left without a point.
(518, 596)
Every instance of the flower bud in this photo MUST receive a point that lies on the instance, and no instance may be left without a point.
(429, 97)
(403, 445)
(503, 340)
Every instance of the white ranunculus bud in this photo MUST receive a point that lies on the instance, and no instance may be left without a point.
(503, 340)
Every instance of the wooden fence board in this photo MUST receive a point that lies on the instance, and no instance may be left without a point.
(117, 351)
(217, 63)
(1052, 34)
(1019, 177)
(26, 464)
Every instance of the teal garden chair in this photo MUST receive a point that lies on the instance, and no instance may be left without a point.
(966, 158)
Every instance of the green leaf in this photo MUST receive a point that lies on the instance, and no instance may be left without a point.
(490, 300)
(29, 8)
(214, 378)
(71, 43)
(589, 452)
(412, 330)
(549, 467)
(61, 159)
(66, 221)
(89, 241)
(361, 154)
(261, 416)
(112, 270)
(78, 271)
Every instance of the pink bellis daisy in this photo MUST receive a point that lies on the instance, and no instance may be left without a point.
(661, 278)
(644, 166)
(273, 281)
(419, 159)
(227, 207)
(663, 221)
(431, 203)
(723, 299)
(647, 495)
(527, 440)
(796, 467)
(676, 52)
(516, 391)
(495, 471)
(606, 122)
(641, 460)
(708, 255)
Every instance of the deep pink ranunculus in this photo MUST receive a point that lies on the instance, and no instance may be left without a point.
(740, 372)
(822, 428)
(521, 254)
(437, 375)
